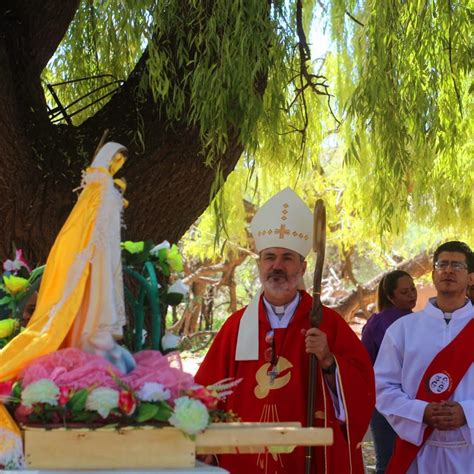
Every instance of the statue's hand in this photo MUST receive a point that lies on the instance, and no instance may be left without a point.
(103, 344)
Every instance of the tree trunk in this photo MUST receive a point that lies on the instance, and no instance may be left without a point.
(191, 317)
(41, 163)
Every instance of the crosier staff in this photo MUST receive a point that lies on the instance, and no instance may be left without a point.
(316, 314)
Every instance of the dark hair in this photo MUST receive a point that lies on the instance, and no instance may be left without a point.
(387, 286)
(456, 246)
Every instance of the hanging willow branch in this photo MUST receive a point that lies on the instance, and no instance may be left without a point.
(353, 18)
(317, 83)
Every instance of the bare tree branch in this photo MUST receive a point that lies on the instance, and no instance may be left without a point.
(354, 19)
(365, 294)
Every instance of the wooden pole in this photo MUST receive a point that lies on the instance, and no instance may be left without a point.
(319, 244)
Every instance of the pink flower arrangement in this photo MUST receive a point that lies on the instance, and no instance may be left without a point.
(70, 386)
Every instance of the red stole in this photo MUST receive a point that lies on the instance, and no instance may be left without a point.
(438, 383)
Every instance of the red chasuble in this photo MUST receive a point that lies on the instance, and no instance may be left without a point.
(258, 398)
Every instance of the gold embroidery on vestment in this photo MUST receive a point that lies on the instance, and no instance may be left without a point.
(263, 380)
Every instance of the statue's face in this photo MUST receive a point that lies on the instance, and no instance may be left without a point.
(280, 272)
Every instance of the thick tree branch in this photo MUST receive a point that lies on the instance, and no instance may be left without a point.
(160, 174)
(164, 168)
(364, 295)
(42, 24)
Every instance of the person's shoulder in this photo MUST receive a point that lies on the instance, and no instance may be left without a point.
(373, 322)
(331, 315)
(233, 320)
(382, 319)
(405, 324)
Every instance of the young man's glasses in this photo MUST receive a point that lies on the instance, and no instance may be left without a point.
(445, 264)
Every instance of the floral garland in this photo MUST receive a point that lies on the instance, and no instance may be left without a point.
(112, 398)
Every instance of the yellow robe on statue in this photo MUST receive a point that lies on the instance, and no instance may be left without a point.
(82, 288)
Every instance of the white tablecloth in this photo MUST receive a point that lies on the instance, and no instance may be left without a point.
(199, 469)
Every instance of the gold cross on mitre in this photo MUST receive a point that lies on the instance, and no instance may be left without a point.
(282, 231)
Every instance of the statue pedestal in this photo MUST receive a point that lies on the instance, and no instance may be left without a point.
(157, 448)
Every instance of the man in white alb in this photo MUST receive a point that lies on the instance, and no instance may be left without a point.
(425, 376)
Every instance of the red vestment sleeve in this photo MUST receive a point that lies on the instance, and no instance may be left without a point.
(356, 378)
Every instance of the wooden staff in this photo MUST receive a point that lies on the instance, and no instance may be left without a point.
(101, 142)
(316, 314)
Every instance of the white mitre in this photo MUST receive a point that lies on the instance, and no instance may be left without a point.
(283, 221)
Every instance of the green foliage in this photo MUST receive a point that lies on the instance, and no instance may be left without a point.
(164, 257)
(408, 111)
(221, 56)
(399, 71)
(105, 37)
(160, 411)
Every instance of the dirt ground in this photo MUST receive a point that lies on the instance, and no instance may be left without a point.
(368, 453)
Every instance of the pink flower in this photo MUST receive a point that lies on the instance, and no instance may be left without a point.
(205, 396)
(127, 403)
(64, 395)
(6, 389)
(22, 413)
(13, 266)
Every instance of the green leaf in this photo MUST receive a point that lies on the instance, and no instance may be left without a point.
(16, 390)
(84, 416)
(77, 402)
(164, 412)
(5, 300)
(146, 412)
(133, 247)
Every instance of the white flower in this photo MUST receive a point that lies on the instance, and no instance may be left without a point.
(153, 392)
(102, 400)
(11, 265)
(41, 391)
(189, 415)
(170, 341)
(164, 245)
(179, 287)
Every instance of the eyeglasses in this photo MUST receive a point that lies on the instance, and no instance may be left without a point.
(445, 264)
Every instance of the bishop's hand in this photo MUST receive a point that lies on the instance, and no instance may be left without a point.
(317, 343)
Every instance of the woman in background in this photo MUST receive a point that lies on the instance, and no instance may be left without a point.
(396, 297)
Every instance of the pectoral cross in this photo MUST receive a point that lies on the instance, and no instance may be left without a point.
(273, 374)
